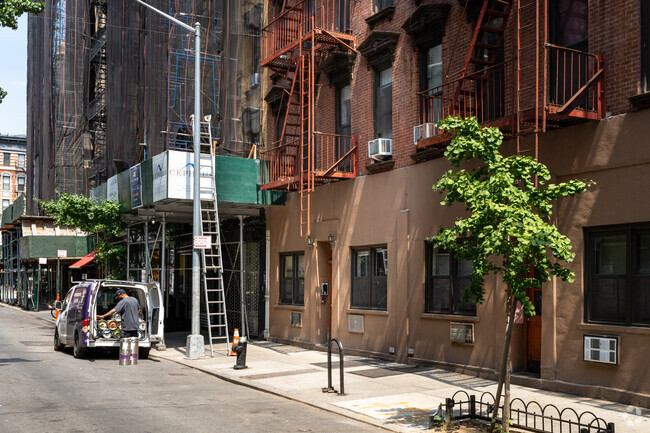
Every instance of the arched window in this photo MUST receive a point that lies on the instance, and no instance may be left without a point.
(6, 182)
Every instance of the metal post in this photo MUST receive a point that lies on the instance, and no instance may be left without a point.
(128, 252)
(267, 290)
(195, 343)
(195, 347)
(147, 258)
(242, 307)
(38, 290)
(163, 266)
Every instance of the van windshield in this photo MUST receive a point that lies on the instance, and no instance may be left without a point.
(106, 298)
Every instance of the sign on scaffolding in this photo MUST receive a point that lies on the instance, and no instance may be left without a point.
(202, 242)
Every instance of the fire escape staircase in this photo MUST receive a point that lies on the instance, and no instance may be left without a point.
(481, 58)
(299, 44)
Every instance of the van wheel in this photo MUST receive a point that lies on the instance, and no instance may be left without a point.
(77, 350)
(144, 353)
(57, 343)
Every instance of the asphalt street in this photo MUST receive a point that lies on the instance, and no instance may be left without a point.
(42, 390)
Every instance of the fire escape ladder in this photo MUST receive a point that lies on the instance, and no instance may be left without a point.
(481, 57)
(307, 150)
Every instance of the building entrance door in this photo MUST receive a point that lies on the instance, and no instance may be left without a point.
(534, 333)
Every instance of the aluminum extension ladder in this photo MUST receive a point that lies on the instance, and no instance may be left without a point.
(211, 258)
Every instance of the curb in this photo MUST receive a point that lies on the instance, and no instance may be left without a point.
(354, 417)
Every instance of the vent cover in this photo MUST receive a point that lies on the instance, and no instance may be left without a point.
(296, 318)
(601, 349)
(355, 323)
(461, 333)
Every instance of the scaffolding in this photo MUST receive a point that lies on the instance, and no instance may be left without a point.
(112, 86)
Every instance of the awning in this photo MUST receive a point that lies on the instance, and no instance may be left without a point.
(78, 264)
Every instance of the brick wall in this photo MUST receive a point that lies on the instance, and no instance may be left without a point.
(614, 30)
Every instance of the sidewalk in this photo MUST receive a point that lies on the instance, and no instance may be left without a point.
(393, 396)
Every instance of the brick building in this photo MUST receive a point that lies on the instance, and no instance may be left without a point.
(353, 90)
(13, 168)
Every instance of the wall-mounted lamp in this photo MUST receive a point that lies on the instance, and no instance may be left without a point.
(330, 238)
(310, 242)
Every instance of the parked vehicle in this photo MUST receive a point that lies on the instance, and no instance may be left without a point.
(78, 327)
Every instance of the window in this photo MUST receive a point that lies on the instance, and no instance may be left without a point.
(618, 272)
(384, 103)
(5, 204)
(21, 160)
(369, 284)
(431, 80)
(343, 111)
(6, 159)
(20, 186)
(6, 182)
(447, 278)
(380, 5)
(292, 279)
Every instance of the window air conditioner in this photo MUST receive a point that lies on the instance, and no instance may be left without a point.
(425, 130)
(601, 349)
(380, 148)
(461, 333)
(254, 80)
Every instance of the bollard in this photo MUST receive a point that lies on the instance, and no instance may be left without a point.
(240, 349)
(129, 348)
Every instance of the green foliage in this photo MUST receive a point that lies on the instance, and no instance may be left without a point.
(10, 11)
(506, 231)
(94, 216)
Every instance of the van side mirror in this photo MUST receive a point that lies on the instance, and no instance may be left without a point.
(58, 305)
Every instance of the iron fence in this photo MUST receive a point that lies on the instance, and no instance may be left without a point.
(531, 416)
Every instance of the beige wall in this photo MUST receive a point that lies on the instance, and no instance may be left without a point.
(399, 209)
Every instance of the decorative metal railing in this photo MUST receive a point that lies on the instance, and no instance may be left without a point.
(530, 416)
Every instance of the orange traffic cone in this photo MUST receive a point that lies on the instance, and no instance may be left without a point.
(235, 341)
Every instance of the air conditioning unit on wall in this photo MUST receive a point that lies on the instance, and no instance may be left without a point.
(603, 349)
(380, 148)
(425, 130)
(461, 333)
(254, 80)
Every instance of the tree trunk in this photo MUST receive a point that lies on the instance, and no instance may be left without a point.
(505, 360)
(505, 424)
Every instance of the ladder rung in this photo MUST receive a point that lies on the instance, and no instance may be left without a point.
(496, 13)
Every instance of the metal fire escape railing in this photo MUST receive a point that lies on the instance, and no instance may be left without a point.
(545, 85)
(293, 44)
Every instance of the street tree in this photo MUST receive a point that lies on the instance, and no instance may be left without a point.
(507, 230)
(95, 216)
(10, 11)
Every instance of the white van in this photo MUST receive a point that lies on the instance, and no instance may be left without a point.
(78, 327)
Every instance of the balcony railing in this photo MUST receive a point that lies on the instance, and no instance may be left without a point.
(334, 157)
(283, 31)
(576, 83)
(575, 88)
(481, 95)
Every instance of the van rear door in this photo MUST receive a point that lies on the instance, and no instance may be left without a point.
(156, 312)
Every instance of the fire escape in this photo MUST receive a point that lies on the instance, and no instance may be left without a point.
(542, 86)
(294, 43)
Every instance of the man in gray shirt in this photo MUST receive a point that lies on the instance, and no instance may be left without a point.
(129, 308)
